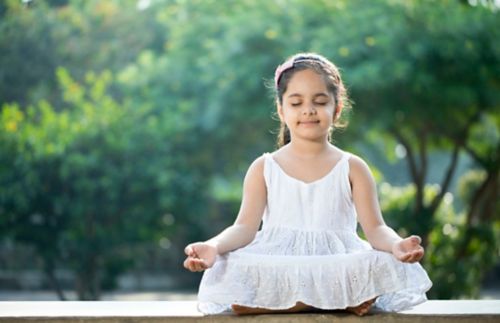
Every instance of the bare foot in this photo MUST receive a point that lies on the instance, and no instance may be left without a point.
(361, 309)
(244, 310)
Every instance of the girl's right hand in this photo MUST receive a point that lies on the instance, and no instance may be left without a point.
(200, 256)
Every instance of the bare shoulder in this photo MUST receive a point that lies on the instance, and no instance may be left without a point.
(257, 166)
(255, 172)
(359, 169)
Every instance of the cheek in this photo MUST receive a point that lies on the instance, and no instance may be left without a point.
(287, 113)
(330, 113)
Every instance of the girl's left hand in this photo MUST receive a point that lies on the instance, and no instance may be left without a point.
(408, 249)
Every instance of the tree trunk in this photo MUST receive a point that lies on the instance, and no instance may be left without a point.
(49, 270)
(88, 280)
(482, 207)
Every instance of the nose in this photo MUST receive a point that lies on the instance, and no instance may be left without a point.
(309, 109)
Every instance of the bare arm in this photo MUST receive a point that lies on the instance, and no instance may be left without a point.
(201, 255)
(379, 235)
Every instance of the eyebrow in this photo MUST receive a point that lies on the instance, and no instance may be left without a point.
(315, 96)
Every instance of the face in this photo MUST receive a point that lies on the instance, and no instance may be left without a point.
(308, 107)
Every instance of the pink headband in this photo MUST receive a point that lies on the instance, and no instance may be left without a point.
(280, 69)
(288, 65)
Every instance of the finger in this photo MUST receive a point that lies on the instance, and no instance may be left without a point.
(199, 266)
(193, 265)
(417, 255)
(411, 259)
(188, 250)
(192, 252)
(416, 239)
(188, 264)
(404, 257)
(414, 256)
(419, 251)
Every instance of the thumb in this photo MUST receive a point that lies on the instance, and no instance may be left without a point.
(189, 251)
(416, 239)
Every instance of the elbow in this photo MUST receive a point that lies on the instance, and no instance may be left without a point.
(250, 235)
(247, 233)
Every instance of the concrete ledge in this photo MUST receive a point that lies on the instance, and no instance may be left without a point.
(185, 311)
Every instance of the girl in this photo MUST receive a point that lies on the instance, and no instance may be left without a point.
(308, 195)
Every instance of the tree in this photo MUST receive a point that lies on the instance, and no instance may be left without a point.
(80, 36)
(92, 181)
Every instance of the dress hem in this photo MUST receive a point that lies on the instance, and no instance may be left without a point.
(224, 307)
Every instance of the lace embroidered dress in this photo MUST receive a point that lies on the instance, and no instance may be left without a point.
(308, 251)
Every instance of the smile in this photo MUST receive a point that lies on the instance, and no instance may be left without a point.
(309, 122)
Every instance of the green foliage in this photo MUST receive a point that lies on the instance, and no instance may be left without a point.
(81, 36)
(469, 182)
(453, 272)
(110, 171)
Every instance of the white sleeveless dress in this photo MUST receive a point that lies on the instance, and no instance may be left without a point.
(308, 251)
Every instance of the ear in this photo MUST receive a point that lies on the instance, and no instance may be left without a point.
(338, 111)
(279, 110)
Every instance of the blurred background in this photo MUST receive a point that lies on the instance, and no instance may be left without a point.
(126, 128)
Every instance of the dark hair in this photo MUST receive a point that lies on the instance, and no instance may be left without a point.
(333, 82)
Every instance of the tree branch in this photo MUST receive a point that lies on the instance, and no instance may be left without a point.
(409, 153)
(422, 147)
(416, 173)
(49, 269)
(447, 178)
(459, 140)
(474, 155)
(482, 206)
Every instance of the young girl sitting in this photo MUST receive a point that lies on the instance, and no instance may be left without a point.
(309, 196)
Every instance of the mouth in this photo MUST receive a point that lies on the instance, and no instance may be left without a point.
(310, 122)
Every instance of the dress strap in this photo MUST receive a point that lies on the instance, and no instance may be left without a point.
(345, 155)
(268, 164)
(345, 183)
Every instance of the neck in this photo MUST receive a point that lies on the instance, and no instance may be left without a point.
(306, 149)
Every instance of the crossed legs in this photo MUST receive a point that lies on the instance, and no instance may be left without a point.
(242, 310)
(359, 310)
(363, 308)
